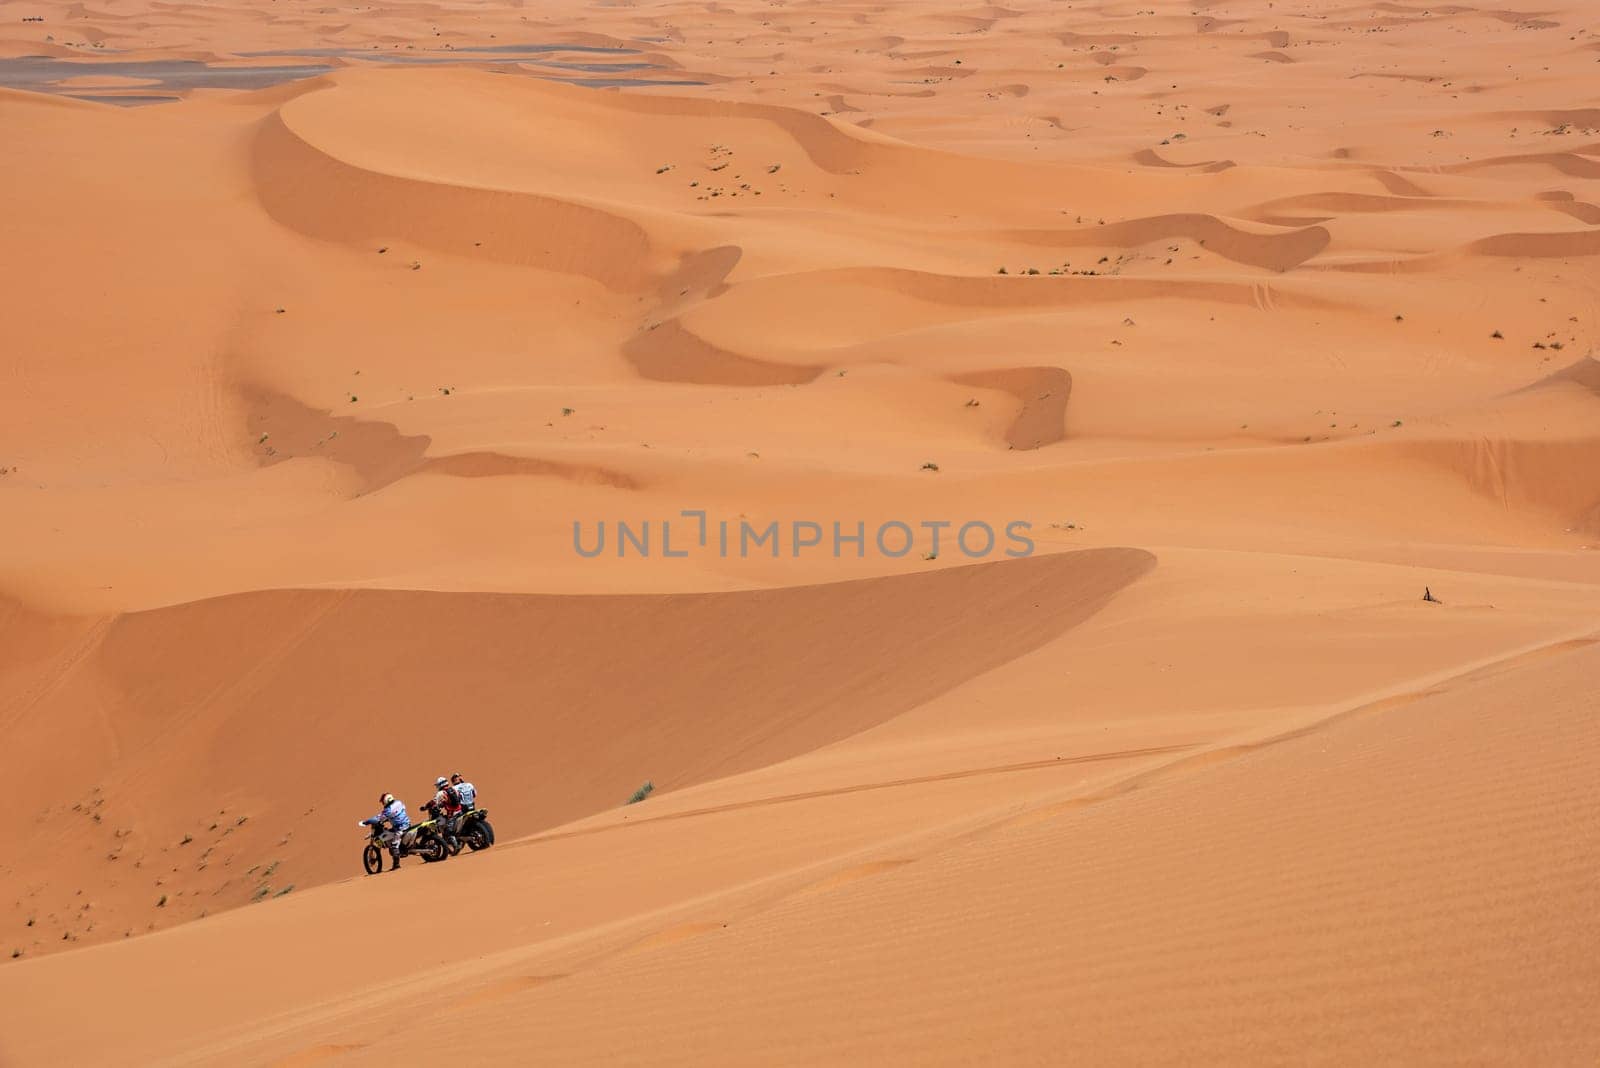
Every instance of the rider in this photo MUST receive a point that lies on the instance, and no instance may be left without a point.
(398, 821)
(446, 804)
(467, 792)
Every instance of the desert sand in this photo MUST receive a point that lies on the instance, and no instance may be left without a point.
(323, 327)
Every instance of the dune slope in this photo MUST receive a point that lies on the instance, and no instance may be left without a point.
(1398, 881)
(196, 754)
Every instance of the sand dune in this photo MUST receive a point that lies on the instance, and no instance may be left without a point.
(318, 681)
(365, 207)
(1173, 904)
(669, 352)
(1533, 246)
(1042, 394)
(1396, 816)
(1274, 251)
(326, 332)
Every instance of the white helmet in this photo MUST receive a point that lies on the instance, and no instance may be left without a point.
(387, 799)
(441, 782)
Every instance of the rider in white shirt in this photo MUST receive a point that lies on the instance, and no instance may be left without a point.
(466, 791)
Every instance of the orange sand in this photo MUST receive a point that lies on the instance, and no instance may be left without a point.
(1265, 316)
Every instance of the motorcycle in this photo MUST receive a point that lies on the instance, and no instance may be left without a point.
(421, 839)
(474, 830)
(471, 829)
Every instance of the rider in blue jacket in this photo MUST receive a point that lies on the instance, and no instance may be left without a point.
(394, 814)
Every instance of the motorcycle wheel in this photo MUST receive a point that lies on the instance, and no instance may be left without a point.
(482, 836)
(434, 849)
(372, 858)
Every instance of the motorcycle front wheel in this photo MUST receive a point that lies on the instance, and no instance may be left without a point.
(372, 858)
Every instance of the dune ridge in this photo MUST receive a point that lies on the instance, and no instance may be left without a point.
(359, 207)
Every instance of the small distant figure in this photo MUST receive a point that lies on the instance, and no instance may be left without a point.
(1427, 595)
